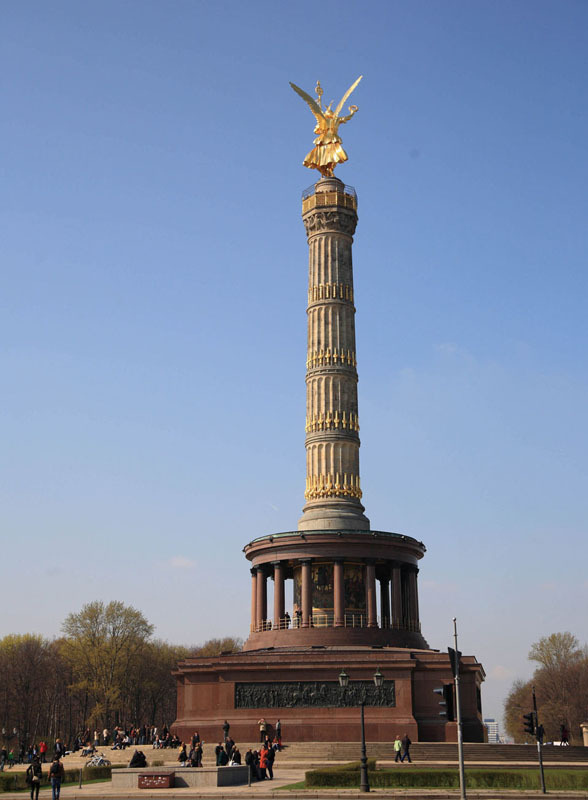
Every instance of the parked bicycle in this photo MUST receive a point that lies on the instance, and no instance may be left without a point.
(98, 760)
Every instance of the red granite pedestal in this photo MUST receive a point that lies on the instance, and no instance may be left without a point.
(211, 690)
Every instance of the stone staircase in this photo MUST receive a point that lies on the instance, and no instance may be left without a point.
(309, 755)
(433, 752)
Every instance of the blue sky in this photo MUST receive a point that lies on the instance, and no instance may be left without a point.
(153, 288)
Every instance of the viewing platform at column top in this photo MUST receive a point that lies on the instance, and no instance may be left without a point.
(328, 192)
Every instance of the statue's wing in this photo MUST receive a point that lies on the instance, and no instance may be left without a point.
(346, 95)
(314, 106)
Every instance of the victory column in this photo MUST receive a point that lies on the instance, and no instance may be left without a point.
(291, 661)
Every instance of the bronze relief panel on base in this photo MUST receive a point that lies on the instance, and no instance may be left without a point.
(321, 694)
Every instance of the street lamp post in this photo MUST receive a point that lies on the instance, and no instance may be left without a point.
(364, 785)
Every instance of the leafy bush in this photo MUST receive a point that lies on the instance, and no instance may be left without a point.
(347, 776)
(17, 780)
(7, 781)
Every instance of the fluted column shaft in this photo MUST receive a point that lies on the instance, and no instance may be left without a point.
(333, 492)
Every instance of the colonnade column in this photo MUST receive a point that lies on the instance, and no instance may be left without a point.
(339, 594)
(261, 605)
(306, 592)
(413, 610)
(417, 618)
(278, 594)
(385, 602)
(253, 598)
(396, 592)
(370, 593)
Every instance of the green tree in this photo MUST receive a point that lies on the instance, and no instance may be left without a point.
(556, 652)
(561, 688)
(518, 702)
(214, 647)
(154, 694)
(27, 668)
(103, 645)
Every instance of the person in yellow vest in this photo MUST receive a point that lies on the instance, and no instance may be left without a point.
(397, 747)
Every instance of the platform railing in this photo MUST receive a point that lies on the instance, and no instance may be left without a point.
(328, 621)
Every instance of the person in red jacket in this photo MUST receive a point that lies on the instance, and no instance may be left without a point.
(263, 762)
(43, 751)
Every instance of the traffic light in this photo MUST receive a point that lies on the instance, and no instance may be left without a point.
(454, 658)
(446, 691)
(529, 723)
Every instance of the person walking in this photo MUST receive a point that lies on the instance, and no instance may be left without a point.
(397, 748)
(406, 743)
(33, 777)
(56, 775)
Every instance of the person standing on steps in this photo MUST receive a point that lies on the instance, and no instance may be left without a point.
(59, 749)
(271, 754)
(263, 762)
(406, 743)
(397, 748)
(262, 729)
(249, 761)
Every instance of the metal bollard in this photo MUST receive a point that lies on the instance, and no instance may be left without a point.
(80, 783)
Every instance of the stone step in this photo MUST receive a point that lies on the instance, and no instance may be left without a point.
(311, 753)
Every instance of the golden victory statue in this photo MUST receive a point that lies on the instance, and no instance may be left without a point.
(327, 152)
